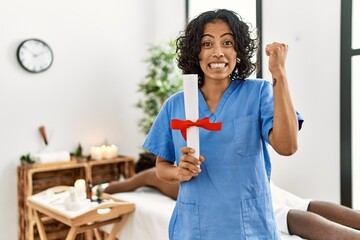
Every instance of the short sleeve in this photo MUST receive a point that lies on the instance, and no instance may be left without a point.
(159, 140)
(267, 110)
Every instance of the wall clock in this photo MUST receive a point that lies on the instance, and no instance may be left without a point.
(35, 55)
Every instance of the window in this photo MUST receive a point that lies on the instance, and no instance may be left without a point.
(355, 110)
(355, 103)
(350, 103)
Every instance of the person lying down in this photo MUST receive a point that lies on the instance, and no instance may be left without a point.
(309, 219)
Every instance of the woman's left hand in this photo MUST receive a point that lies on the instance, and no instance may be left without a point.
(277, 53)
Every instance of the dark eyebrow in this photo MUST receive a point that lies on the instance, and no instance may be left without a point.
(209, 35)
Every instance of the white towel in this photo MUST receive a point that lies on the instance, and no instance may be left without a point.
(61, 156)
(283, 201)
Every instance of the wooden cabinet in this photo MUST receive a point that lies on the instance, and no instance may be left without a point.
(39, 177)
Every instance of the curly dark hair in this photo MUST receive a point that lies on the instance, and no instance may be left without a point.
(188, 45)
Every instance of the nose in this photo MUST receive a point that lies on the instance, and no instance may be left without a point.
(218, 55)
(218, 52)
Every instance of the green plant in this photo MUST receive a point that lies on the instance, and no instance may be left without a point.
(162, 80)
(78, 154)
(78, 151)
(26, 159)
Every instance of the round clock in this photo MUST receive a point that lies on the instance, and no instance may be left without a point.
(35, 55)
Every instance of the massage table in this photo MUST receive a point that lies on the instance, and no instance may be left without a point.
(152, 215)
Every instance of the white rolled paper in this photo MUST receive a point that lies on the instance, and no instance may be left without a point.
(190, 82)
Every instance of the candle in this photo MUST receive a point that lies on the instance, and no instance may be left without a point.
(103, 151)
(114, 151)
(190, 82)
(108, 152)
(95, 153)
(80, 188)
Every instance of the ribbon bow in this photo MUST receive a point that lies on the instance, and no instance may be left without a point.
(182, 125)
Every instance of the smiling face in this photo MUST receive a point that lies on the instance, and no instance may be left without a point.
(217, 57)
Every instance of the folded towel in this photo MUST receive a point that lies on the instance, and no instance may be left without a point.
(61, 156)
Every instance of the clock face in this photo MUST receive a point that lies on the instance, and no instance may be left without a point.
(35, 55)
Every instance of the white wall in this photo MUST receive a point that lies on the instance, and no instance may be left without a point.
(89, 93)
(312, 31)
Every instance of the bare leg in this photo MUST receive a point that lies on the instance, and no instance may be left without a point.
(315, 227)
(336, 213)
(144, 178)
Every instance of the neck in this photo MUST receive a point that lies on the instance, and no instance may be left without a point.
(213, 90)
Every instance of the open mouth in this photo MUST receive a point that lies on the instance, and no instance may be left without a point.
(217, 65)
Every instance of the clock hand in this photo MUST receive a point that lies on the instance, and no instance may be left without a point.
(31, 52)
(40, 53)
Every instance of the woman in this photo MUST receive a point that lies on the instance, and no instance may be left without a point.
(228, 196)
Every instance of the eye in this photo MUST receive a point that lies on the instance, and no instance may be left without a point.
(228, 43)
(207, 44)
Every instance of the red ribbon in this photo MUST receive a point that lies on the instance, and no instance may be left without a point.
(182, 125)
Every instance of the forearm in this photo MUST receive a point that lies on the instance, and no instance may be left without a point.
(166, 171)
(187, 168)
(117, 186)
(129, 184)
(283, 137)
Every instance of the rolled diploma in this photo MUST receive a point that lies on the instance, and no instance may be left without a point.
(190, 82)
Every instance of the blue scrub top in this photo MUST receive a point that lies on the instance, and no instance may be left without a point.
(230, 198)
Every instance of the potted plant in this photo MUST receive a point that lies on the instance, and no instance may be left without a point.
(78, 154)
(161, 81)
(26, 159)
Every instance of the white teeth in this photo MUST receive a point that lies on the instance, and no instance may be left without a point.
(217, 65)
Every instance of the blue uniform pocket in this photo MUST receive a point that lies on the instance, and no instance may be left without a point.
(247, 135)
(258, 217)
(184, 224)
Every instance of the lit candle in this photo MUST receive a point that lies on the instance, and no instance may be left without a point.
(114, 151)
(108, 152)
(190, 82)
(80, 188)
(103, 151)
(95, 153)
